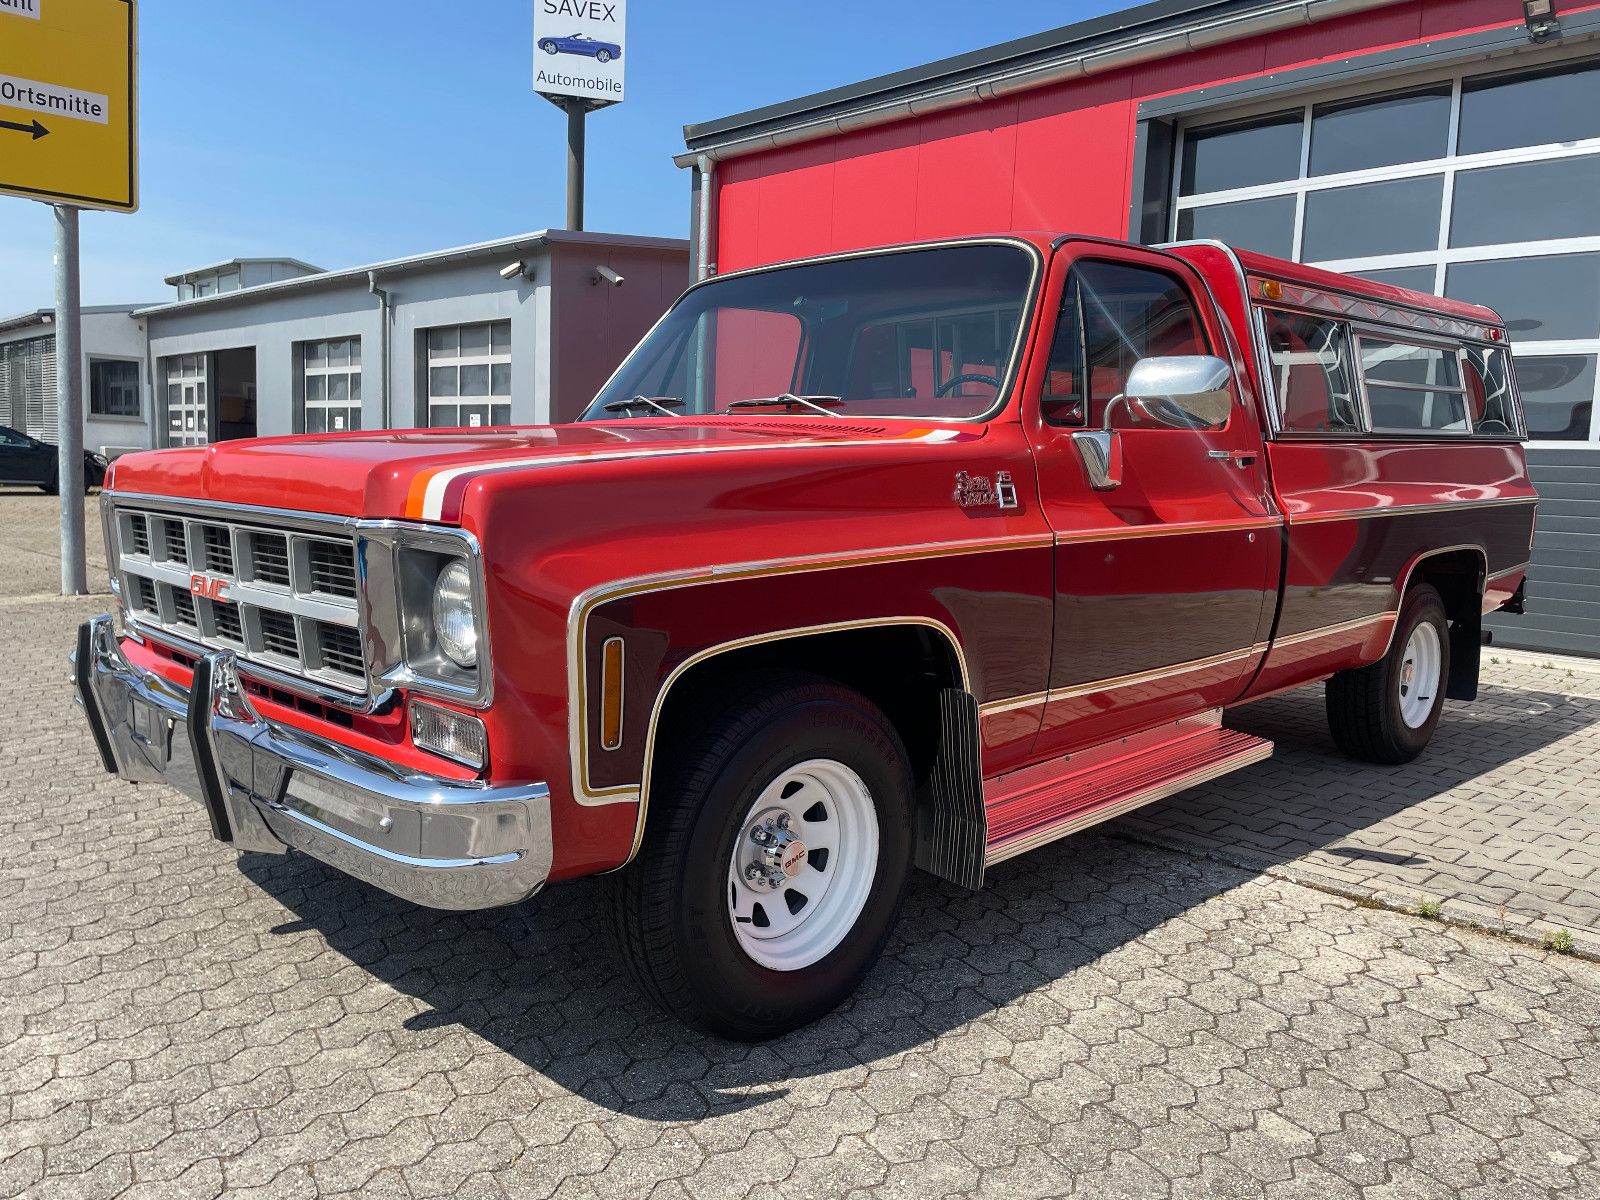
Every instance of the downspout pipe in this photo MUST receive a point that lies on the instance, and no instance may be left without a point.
(705, 249)
(383, 341)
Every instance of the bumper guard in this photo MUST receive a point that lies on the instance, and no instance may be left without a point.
(268, 788)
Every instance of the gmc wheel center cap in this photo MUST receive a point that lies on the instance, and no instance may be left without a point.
(794, 857)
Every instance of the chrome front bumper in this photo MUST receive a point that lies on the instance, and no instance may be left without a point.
(269, 788)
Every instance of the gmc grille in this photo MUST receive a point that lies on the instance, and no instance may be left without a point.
(341, 649)
(139, 527)
(230, 625)
(278, 635)
(283, 598)
(218, 542)
(271, 555)
(174, 542)
(144, 596)
(332, 568)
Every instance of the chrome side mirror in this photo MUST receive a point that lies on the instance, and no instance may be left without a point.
(1181, 391)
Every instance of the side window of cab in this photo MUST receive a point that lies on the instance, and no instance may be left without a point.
(1311, 373)
(1112, 315)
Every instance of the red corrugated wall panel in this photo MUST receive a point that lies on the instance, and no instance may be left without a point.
(875, 186)
(1073, 152)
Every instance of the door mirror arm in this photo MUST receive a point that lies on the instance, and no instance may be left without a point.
(1101, 450)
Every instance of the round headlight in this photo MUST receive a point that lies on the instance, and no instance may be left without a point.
(453, 623)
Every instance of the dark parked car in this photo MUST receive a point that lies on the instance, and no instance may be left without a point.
(579, 43)
(27, 460)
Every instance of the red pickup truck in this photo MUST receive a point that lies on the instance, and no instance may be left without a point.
(921, 556)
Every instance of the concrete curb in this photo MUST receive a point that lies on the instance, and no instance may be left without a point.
(1540, 658)
(1461, 914)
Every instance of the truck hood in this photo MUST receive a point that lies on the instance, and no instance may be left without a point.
(421, 474)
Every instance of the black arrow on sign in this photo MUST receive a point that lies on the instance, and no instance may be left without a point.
(36, 129)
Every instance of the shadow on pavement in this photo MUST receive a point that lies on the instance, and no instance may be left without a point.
(544, 983)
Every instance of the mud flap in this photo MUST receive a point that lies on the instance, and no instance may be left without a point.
(1466, 653)
(952, 830)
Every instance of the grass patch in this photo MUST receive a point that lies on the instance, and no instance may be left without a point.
(1557, 941)
(1429, 908)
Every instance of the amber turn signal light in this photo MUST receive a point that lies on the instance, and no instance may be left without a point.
(611, 656)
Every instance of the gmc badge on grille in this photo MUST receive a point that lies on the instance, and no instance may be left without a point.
(202, 585)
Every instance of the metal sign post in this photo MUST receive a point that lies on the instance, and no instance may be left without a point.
(577, 113)
(578, 65)
(69, 124)
(69, 403)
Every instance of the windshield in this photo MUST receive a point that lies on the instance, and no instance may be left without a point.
(914, 333)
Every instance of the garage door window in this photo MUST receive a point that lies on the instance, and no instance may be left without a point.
(332, 385)
(1479, 186)
(469, 375)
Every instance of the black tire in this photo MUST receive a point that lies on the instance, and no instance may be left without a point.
(1364, 705)
(548, 47)
(670, 906)
(53, 485)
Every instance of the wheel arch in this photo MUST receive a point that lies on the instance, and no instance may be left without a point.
(1458, 574)
(911, 667)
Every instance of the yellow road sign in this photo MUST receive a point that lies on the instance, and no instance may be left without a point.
(68, 102)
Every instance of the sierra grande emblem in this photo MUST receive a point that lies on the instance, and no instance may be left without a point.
(978, 491)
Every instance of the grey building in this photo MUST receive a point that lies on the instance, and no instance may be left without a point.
(116, 402)
(521, 330)
(237, 274)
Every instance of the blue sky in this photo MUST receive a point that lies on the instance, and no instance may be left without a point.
(358, 130)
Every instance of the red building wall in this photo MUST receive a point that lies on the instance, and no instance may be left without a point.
(1053, 158)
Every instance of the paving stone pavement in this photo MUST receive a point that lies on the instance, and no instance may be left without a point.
(1499, 819)
(1107, 1019)
(30, 544)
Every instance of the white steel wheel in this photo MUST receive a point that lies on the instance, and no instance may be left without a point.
(803, 864)
(1419, 676)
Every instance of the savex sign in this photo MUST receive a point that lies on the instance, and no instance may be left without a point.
(578, 48)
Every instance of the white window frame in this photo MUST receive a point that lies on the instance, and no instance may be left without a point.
(489, 361)
(1441, 256)
(324, 371)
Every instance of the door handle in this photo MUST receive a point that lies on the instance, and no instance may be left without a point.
(1241, 460)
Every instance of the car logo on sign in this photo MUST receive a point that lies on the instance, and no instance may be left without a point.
(204, 585)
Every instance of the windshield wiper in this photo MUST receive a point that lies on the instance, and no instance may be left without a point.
(790, 400)
(659, 403)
